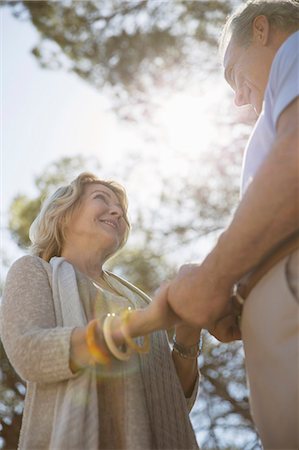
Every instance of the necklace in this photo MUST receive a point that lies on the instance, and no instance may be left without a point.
(104, 283)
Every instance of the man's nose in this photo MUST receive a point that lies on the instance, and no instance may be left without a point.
(242, 96)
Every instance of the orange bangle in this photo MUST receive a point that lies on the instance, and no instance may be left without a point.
(97, 353)
(130, 342)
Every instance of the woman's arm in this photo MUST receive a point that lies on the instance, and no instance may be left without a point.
(38, 349)
(187, 367)
(141, 322)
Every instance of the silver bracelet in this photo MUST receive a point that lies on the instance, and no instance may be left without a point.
(191, 352)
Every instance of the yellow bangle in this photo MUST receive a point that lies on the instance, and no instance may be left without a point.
(118, 354)
(97, 353)
(131, 343)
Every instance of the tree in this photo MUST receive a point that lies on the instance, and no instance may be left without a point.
(120, 42)
(128, 47)
(11, 389)
(23, 209)
(222, 415)
(12, 392)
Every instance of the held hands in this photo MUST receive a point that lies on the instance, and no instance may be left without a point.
(184, 303)
(226, 328)
(159, 313)
(203, 300)
(196, 296)
(191, 301)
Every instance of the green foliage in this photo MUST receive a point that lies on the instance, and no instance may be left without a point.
(12, 391)
(141, 266)
(23, 209)
(61, 172)
(22, 213)
(125, 44)
(223, 402)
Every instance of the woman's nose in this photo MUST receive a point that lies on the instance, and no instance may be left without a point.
(116, 211)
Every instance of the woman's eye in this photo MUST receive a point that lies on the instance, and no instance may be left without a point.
(101, 197)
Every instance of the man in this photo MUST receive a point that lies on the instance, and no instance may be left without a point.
(261, 62)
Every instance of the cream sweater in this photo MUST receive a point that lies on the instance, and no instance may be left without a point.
(140, 403)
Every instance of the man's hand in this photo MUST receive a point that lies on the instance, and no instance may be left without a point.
(198, 295)
(226, 328)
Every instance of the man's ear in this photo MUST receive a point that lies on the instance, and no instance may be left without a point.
(261, 30)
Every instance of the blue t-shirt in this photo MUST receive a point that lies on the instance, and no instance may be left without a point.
(281, 90)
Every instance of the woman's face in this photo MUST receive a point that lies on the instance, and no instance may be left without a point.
(99, 219)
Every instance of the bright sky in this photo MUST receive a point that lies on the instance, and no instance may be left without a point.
(47, 115)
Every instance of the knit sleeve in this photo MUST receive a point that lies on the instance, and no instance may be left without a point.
(38, 350)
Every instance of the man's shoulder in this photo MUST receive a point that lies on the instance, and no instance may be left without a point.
(290, 43)
(283, 86)
(287, 56)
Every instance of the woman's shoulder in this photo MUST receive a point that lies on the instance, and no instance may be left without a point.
(29, 263)
(28, 273)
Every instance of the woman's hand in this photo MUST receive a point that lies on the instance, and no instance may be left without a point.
(159, 312)
(157, 316)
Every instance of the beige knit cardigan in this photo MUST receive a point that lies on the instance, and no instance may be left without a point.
(36, 325)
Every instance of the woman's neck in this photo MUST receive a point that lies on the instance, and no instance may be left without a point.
(90, 263)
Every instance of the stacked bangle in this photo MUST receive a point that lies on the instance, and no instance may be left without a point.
(191, 352)
(118, 354)
(130, 342)
(97, 353)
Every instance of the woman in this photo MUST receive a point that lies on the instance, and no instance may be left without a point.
(67, 328)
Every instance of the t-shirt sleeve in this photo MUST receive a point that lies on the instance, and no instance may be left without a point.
(285, 77)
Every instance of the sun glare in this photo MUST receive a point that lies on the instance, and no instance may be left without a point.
(189, 122)
(184, 120)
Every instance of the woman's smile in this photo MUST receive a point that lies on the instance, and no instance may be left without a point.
(110, 223)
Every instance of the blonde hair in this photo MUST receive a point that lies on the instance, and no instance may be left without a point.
(281, 14)
(48, 231)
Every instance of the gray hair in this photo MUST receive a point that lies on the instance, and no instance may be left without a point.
(281, 14)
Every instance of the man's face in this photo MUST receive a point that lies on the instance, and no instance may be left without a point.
(246, 69)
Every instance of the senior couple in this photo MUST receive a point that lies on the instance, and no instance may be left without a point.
(99, 369)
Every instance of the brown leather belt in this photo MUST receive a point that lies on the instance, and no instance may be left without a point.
(249, 281)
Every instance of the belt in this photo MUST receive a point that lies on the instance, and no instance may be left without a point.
(243, 288)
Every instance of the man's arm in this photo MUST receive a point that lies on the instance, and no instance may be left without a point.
(268, 212)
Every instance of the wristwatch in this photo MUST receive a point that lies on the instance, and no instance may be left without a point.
(191, 352)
